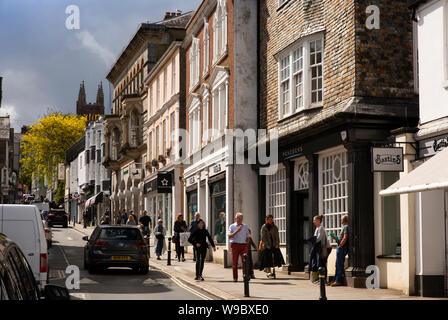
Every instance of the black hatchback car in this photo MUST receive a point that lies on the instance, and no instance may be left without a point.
(57, 217)
(116, 246)
(17, 281)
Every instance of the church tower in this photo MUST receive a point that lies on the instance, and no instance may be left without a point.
(91, 110)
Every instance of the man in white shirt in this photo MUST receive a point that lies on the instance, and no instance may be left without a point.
(238, 236)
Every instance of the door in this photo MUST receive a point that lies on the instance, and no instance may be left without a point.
(304, 228)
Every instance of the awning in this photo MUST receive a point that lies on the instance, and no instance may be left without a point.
(431, 175)
(98, 198)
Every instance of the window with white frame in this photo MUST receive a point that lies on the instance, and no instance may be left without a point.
(219, 108)
(195, 52)
(276, 200)
(301, 175)
(164, 137)
(157, 142)
(172, 126)
(333, 189)
(194, 118)
(150, 145)
(206, 42)
(173, 75)
(205, 117)
(220, 31)
(158, 93)
(165, 84)
(301, 77)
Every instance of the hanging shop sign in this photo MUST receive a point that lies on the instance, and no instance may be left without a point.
(164, 182)
(431, 146)
(387, 160)
(150, 186)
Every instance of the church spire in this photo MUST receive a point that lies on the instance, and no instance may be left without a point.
(82, 100)
(100, 95)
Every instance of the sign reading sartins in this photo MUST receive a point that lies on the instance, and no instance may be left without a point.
(387, 159)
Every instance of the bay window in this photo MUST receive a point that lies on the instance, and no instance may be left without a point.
(301, 77)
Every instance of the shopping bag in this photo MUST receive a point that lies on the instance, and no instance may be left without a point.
(183, 239)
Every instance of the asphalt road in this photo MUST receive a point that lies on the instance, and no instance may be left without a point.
(113, 283)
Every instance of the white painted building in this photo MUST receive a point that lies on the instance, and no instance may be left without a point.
(416, 205)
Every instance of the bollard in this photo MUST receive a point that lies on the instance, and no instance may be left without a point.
(323, 296)
(246, 266)
(169, 252)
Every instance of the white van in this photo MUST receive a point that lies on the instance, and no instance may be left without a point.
(23, 225)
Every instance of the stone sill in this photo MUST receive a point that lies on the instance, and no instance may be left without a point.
(300, 113)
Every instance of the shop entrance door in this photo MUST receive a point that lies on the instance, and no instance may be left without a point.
(303, 227)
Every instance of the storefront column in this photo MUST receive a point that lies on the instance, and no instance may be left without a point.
(229, 203)
(207, 211)
(407, 215)
(361, 213)
(198, 184)
(185, 205)
(292, 236)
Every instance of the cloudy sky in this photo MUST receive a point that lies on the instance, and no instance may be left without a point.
(43, 63)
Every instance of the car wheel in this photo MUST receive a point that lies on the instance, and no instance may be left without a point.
(144, 270)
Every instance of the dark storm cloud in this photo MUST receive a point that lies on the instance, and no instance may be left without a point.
(43, 63)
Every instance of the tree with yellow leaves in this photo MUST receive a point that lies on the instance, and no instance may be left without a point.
(45, 143)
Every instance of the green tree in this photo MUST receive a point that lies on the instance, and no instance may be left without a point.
(44, 146)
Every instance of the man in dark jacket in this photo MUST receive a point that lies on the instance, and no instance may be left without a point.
(193, 227)
(199, 241)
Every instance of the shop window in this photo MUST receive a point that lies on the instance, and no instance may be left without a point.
(192, 205)
(218, 197)
(333, 190)
(390, 220)
(276, 200)
(301, 176)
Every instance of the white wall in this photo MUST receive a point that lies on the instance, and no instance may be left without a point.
(430, 233)
(432, 58)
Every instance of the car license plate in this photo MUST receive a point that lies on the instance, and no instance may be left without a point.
(121, 258)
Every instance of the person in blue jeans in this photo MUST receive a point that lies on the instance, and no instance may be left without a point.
(341, 252)
(317, 240)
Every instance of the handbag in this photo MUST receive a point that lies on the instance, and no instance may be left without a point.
(173, 239)
(183, 239)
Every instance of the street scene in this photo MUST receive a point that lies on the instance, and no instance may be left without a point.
(206, 151)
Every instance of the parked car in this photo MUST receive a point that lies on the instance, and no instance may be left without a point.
(47, 230)
(116, 246)
(57, 217)
(23, 225)
(17, 280)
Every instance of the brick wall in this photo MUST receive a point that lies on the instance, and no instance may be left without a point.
(357, 61)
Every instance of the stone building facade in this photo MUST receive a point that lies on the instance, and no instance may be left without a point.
(221, 86)
(92, 111)
(126, 146)
(333, 88)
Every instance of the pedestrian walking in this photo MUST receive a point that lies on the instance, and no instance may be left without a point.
(145, 222)
(271, 255)
(193, 227)
(318, 241)
(199, 241)
(132, 214)
(124, 217)
(179, 226)
(341, 252)
(238, 237)
(118, 217)
(159, 233)
(131, 221)
(105, 219)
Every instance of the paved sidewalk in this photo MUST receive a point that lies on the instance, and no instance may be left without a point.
(79, 227)
(219, 282)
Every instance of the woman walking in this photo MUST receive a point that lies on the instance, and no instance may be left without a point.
(159, 233)
(199, 241)
(271, 255)
(179, 226)
(131, 221)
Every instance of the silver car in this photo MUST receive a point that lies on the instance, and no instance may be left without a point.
(116, 246)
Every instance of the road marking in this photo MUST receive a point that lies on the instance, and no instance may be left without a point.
(63, 254)
(68, 238)
(183, 286)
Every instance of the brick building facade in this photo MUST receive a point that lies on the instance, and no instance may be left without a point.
(333, 88)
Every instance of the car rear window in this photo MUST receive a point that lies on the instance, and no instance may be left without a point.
(58, 213)
(120, 234)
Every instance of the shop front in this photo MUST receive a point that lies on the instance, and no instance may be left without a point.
(327, 173)
(159, 199)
